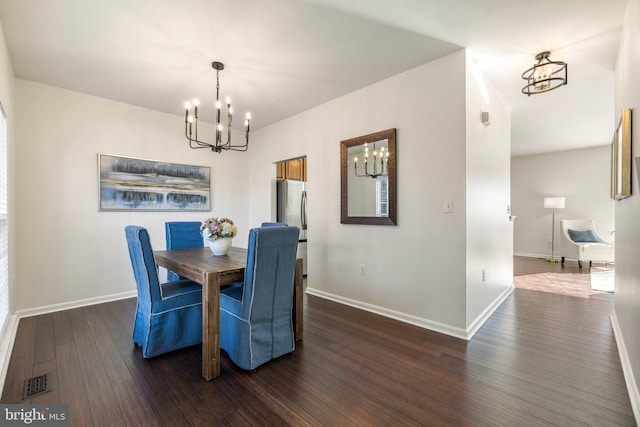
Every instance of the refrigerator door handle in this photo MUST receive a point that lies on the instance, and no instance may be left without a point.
(285, 191)
(303, 210)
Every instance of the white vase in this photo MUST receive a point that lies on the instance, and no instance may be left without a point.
(220, 246)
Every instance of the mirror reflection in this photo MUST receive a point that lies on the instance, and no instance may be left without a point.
(368, 179)
(369, 197)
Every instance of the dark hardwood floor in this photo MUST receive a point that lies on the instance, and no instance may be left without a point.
(540, 360)
(526, 265)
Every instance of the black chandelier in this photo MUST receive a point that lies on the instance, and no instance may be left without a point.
(545, 75)
(191, 122)
(384, 160)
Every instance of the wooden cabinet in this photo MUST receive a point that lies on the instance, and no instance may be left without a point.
(295, 169)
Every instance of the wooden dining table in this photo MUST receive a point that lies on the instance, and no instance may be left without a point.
(212, 272)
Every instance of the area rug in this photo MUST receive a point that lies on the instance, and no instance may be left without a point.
(572, 284)
(603, 279)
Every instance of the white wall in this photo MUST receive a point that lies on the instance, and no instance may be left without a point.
(67, 250)
(581, 176)
(626, 318)
(489, 231)
(416, 271)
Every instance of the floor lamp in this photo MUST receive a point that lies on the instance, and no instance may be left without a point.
(553, 203)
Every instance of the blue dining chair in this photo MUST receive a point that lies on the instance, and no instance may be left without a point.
(255, 316)
(168, 316)
(180, 235)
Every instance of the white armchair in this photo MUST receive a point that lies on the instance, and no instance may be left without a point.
(581, 242)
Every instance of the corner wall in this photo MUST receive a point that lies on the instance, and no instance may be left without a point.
(626, 316)
(416, 271)
(489, 274)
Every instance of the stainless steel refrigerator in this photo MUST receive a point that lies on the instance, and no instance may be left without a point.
(292, 210)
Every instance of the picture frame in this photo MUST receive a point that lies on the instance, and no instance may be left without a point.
(621, 160)
(134, 184)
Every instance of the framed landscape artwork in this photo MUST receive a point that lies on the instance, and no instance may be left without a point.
(127, 183)
(621, 158)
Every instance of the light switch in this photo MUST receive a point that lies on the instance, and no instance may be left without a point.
(448, 206)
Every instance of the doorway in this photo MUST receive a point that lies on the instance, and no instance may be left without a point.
(291, 200)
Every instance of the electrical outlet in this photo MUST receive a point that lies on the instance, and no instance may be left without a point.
(448, 206)
(363, 270)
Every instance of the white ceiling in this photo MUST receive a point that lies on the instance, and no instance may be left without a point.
(285, 56)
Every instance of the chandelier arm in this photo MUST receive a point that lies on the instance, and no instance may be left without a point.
(200, 144)
(186, 134)
(229, 147)
(228, 144)
(369, 175)
(237, 147)
(234, 148)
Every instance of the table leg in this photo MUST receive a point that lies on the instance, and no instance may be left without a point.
(211, 326)
(298, 301)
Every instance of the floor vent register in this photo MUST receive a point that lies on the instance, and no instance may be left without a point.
(36, 385)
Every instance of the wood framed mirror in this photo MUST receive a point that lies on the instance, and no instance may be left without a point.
(368, 179)
(621, 158)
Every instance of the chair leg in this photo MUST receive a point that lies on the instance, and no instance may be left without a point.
(579, 264)
(562, 260)
(590, 264)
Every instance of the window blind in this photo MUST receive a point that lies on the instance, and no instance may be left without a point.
(382, 197)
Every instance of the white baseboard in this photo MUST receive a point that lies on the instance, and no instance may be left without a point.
(403, 317)
(6, 346)
(524, 254)
(74, 304)
(442, 328)
(484, 316)
(8, 336)
(632, 386)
